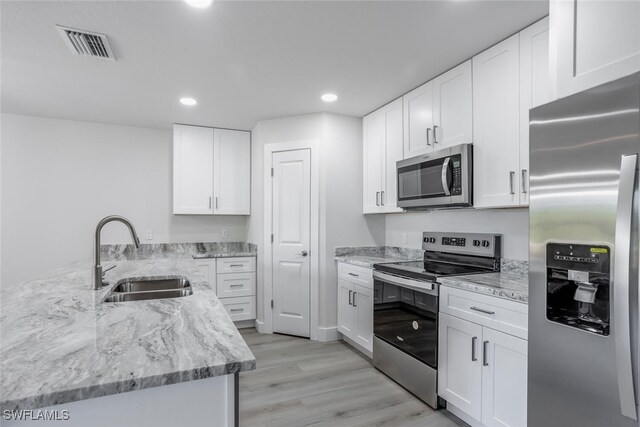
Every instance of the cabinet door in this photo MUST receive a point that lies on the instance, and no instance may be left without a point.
(418, 121)
(346, 312)
(372, 167)
(594, 42)
(452, 107)
(496, 125)
(504, 380)
(460, 364)
(208, 269)
(535, 89)
(192, 170)
(393, 153)
(232, 179)
(363, 304)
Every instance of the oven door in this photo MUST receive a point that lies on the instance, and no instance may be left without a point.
(406, 318)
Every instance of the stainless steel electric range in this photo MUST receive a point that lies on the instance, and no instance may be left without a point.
(405, 341)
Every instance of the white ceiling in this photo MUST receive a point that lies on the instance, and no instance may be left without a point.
(243, 61)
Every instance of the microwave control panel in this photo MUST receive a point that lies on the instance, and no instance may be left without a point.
(456, 186)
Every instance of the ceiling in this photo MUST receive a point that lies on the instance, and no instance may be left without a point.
(243, 61)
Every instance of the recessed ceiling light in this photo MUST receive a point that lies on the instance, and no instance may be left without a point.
(199, 4)
(188, 101)
(329, 97)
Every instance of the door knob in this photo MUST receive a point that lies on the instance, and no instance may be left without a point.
(304, 253)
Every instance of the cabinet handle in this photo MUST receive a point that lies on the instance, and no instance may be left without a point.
(481, 310)
(485, 354)
(354, 275)
(209, 202)
(524, 179)
(382, 198)
(428, 142)
(355, 294)
(473, 349)
(236, 286)
(235, 265)
(350, 292)
(216, 202)
(377, 198)
(511, 176)
(435, 134)
(236, 309)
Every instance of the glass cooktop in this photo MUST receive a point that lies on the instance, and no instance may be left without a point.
(427, 270)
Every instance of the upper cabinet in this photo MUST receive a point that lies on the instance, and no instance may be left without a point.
(211, 171)
(438, 114)
(593, 42)
(382, 148)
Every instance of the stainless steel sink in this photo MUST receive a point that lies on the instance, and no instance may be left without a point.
(152, 285)
(146, 289)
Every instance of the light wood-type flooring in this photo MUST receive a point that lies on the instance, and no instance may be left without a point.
(299, 382)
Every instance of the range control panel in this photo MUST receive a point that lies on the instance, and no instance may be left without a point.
(482, 244)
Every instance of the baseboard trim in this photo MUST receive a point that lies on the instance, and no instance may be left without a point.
(357, 347)
(260, 327)
(328, 334)
(463, 416)
(244, 324)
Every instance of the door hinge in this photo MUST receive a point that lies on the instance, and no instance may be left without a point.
(271, 304)
(272, 238)
(272, 172)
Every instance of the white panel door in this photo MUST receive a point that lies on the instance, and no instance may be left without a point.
(346, 313)
(291, 237)
(363, 304)
(232, 179)
(459, 364)
(372, 157)
(418, 121)
(452, 107)
(594, 42)
(192, 170)
(496, 125)
(535, 89)
(393, 150)
(504, 380)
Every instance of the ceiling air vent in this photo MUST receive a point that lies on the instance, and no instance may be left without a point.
(86, 43)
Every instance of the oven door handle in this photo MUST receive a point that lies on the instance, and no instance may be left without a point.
(443, 175)
(420, 286)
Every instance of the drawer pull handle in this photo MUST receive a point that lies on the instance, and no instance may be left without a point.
(354, 275)
(235, 265)
(482, 310)
(237, 285)
(236, 309)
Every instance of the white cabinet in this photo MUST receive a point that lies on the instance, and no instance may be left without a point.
(452, 107)
(593, 42)
(382, 148)
(192, 170)
(232, 172)
(211, 171)
(459, 364)
(355, 304)
(496, 125)
(535, 89)
(482, 369)
(438, 114)
(418, 121)
(207, 267)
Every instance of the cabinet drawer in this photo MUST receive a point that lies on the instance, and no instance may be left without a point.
(236, 265)
(355, 274)
(496, 313)
(236, 285)
(240, 308)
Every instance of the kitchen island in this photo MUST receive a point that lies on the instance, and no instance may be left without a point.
(120, 363)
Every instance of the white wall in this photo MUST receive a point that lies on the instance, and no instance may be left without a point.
(513, 224)
(341, 219)
(60, 177)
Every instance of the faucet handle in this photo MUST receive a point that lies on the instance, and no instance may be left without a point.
(111, 267)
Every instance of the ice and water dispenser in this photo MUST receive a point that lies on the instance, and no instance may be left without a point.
(578, 280)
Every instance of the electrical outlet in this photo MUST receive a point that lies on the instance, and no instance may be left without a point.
(403, 237)
(149, 235)
(225, 233)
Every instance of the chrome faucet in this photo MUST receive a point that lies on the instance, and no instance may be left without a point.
(97, 268)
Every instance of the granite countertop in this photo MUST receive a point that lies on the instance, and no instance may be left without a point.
(61, 343)
(512, 282)
(196, 250)
(367, 256)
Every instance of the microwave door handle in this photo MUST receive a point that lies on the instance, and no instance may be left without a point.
(621, 284)
(445, 181)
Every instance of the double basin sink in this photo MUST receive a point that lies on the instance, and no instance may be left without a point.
(147, 289)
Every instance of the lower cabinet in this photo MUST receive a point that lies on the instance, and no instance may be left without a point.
(355, 304)
(482, 372)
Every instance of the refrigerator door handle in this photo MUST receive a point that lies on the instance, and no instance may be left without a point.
(621, 284)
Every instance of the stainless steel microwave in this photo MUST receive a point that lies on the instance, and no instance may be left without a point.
(442, 178)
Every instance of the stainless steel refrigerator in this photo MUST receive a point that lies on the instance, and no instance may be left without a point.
(584, 260)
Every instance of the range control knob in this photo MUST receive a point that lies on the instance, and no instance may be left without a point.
(485, 243)
(476, 243)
